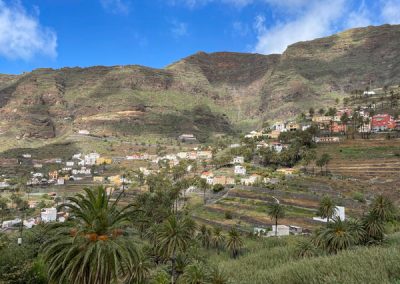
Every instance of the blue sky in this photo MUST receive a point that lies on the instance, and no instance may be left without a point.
(58, 33)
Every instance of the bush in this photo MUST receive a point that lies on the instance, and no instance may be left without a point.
(359, 196)
(217, 188)
(228, 215)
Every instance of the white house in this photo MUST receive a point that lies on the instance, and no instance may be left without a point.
(369, 93)
(240, 170)
(26, 156)
(4, 184)
(279, 126)
(29, 223)
(339, 213)
(70, 163)
(204, 155)
(238, 160)
(208, 176)
(83, 132)
(91, 159)
(234, 145)
(10, 223)
(77, 156)
(48, 214)
(182, 155)
(277, 147)
(60, 181)
(281, 230)
(250, 180)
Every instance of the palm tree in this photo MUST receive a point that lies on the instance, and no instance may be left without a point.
(383, 208)
(327, 208)
(336, 236)
(306, 248)
(174, 236)
(357, 229)
(374, 228)
(204, 236)
(141, 271)
(275, 212)
(202, 183)
(3, 207)
(91, 247)
(195, 273)
(218, 277)
(234, 242)
(218, 239)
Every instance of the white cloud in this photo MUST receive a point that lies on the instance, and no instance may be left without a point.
(115, 6)
(22, 36)
(391, 11)
(179, 29)
(361, 17)
(316, 21)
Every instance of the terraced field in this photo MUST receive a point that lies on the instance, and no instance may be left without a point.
(377, 159)
(247, 206)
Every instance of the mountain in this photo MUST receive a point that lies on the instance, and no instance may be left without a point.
(203, 93)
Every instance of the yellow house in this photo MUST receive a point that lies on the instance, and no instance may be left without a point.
(98, 179)
(103, 161)
(274, 134)
(293, 126)
(286, 171)
(115, 179)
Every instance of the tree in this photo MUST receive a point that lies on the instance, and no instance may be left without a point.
(234, 242)
(204, 236)
(218, 277)
(306, 248)
(311, 111)
(308, 157)
(374, 228)
(336, 236)
(321, 111)
(91, 247)
(275, 212)
(327, 208)
(174, 236)
(218, 239)
(3, 207)
(344, 119)
(383, 208)
(202, 183)
(323, 161)
(195, 273)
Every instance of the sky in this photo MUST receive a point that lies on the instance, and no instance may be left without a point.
(68, 33)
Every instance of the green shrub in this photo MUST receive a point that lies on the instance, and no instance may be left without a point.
(217, 188)
(359, 196)
(228, 215)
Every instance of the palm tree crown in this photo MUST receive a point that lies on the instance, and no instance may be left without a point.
(234, 242)
(91, 247)
(276, 211)
(327, 208)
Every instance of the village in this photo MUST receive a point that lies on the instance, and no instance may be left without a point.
(261, 158)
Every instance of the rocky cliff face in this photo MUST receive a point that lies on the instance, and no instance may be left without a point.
(203, 92)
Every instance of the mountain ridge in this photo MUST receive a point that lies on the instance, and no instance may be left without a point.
(239, 90)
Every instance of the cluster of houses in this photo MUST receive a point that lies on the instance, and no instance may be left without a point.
(328, 124)
(76, 168)
(46, 215)
(238, 176)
